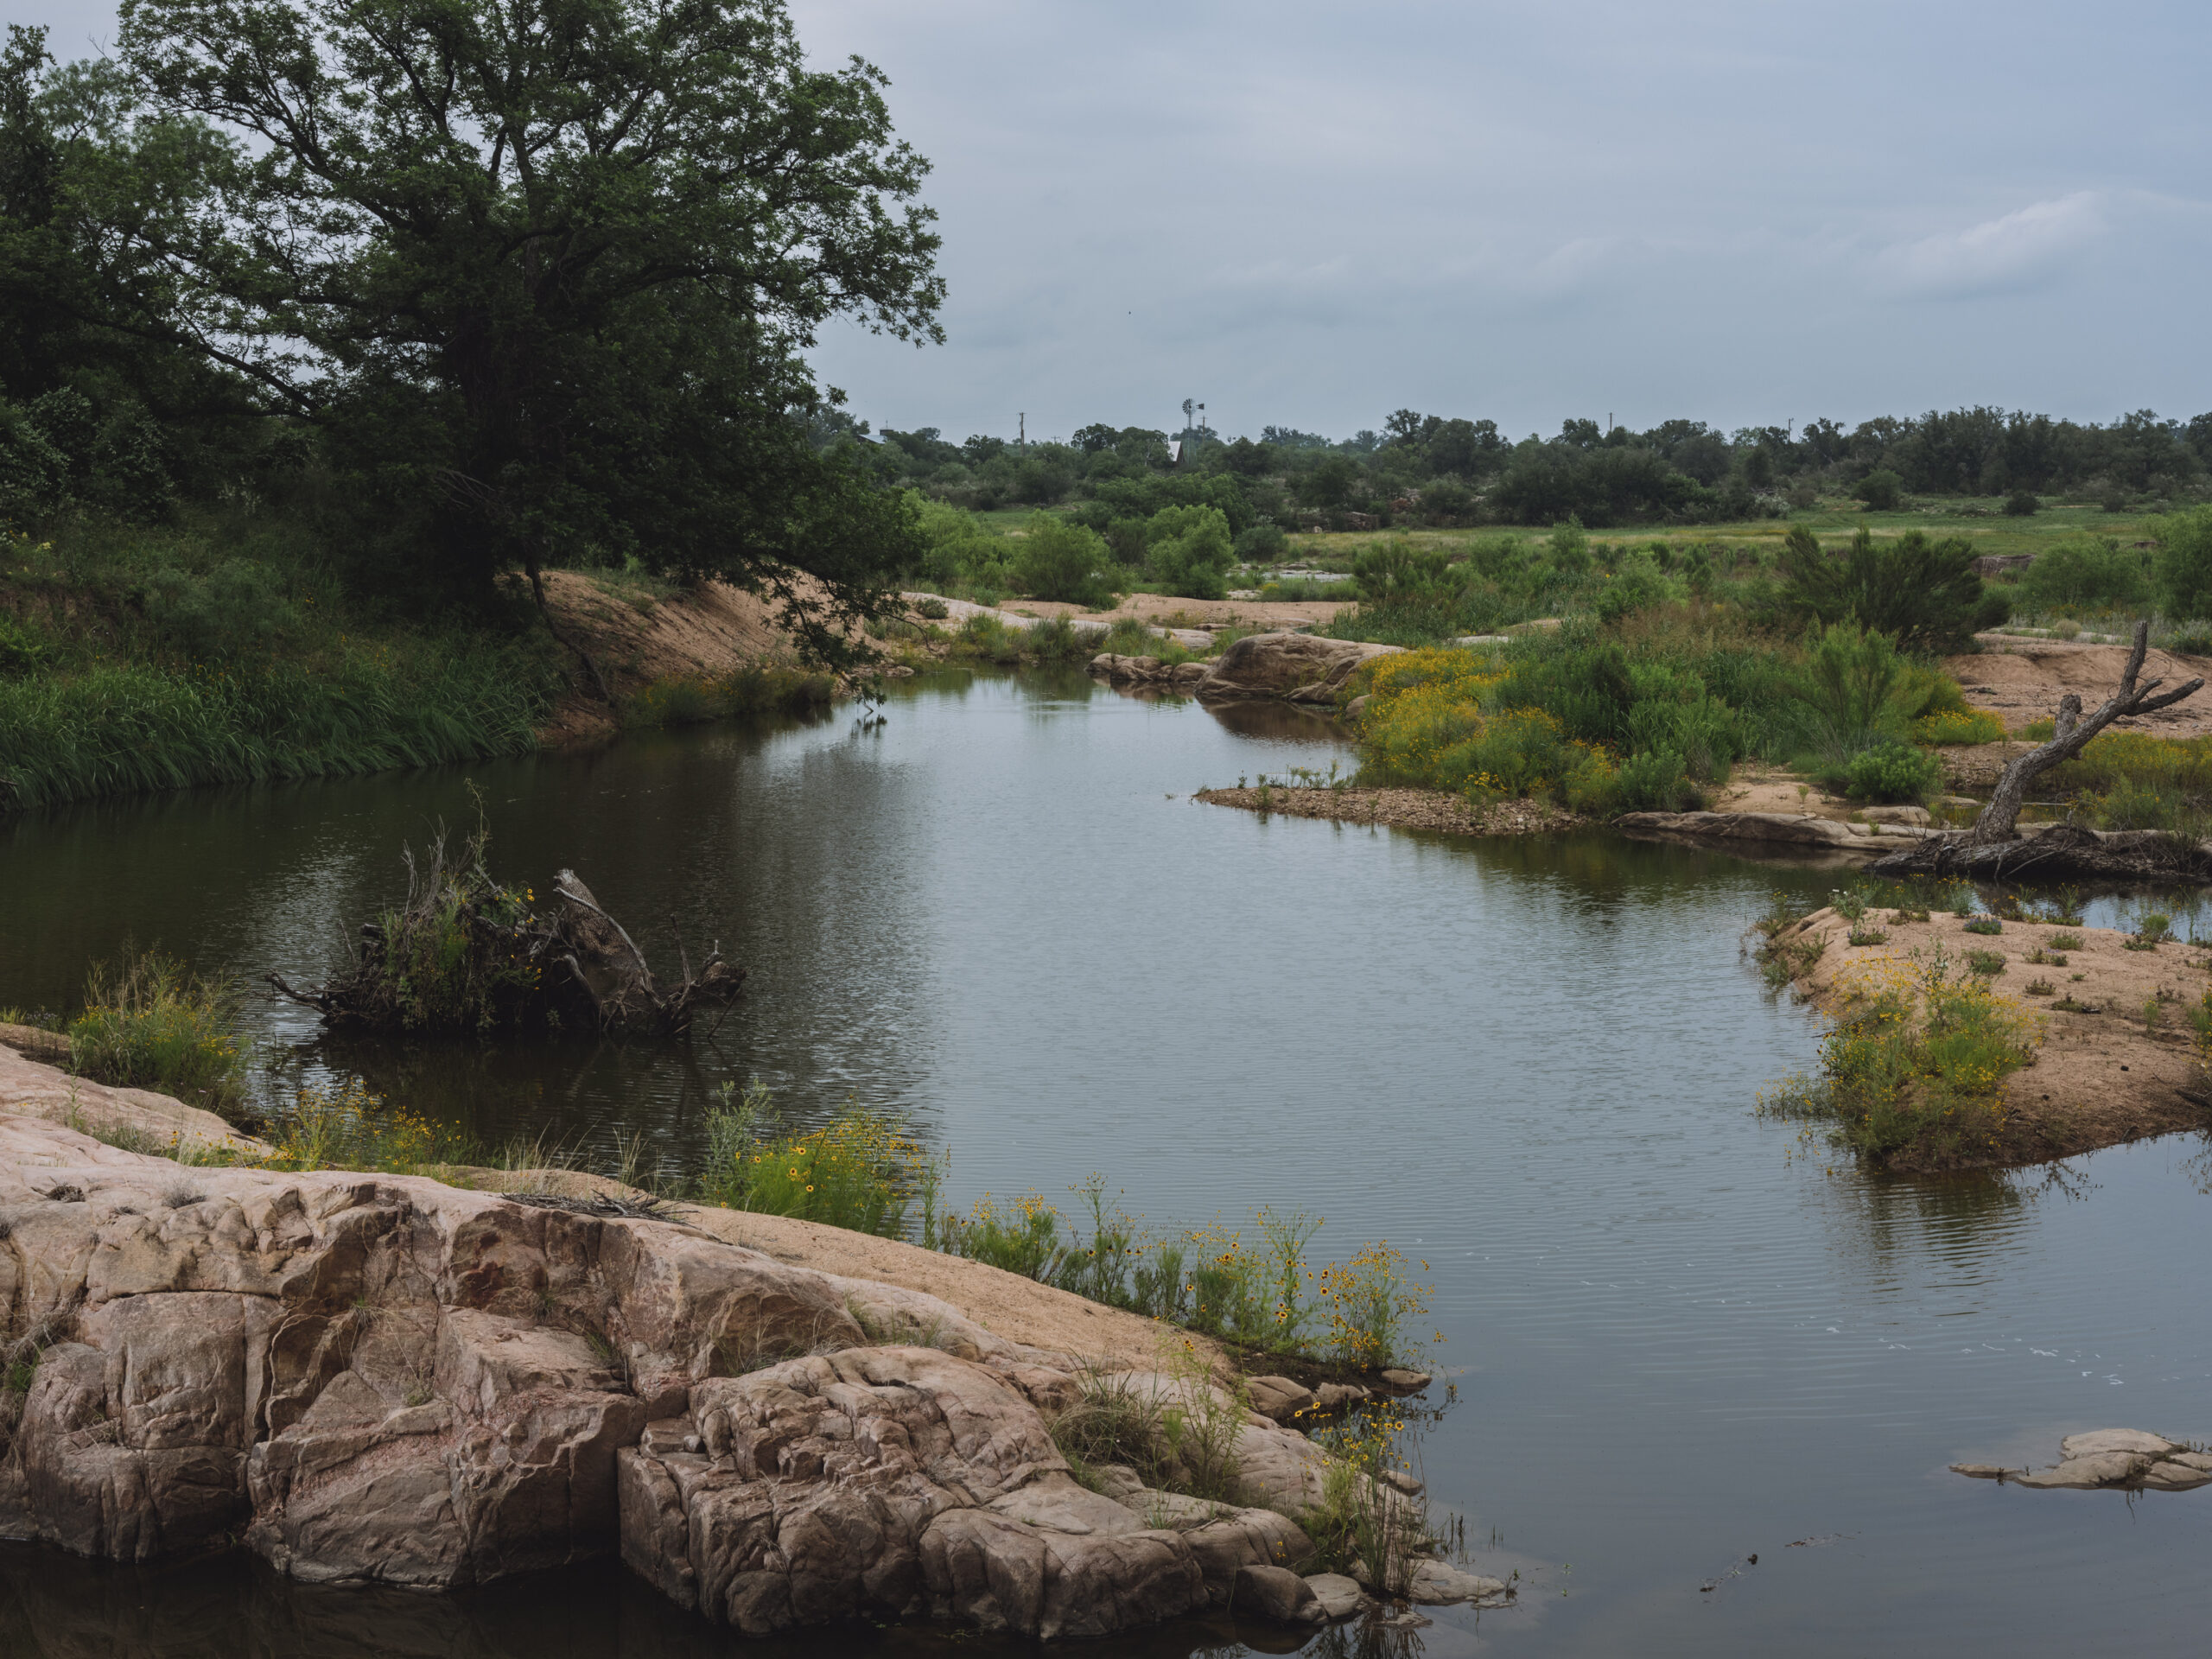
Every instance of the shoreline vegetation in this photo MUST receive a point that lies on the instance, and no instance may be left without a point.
(150, 1024)
(1966, 1036)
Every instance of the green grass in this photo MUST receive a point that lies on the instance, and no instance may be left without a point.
(759, 688)
(150, 1023)
(224, 651)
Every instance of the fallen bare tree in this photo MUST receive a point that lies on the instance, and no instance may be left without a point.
(1995, 847)
(464, 953)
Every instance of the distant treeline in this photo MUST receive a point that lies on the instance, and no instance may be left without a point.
(1431, 469)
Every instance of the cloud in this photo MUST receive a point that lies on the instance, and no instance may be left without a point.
(2009, 255)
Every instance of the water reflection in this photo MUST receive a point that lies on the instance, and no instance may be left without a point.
(1530, 1063)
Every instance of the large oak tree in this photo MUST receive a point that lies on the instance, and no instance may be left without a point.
(545, 271)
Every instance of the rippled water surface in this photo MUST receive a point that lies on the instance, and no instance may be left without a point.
(1678, 1336)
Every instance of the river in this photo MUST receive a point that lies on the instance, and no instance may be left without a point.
(1676, 1335)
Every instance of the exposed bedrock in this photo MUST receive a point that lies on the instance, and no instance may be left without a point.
(374, 1378)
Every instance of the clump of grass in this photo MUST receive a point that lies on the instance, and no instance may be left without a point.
(759, 688)
(2040, 988)
(1912, 1070)
(2063, 941)
(2154, 1014)
(1363, 1525)
(1784, 960)
(2153, 930)
(861, 1170)
(1952, 726)
(1177, 1432)
(1865, 936)
(347, 1126)
(1988, 962)
(2043, 959)
(1850, 903)
(1985, 925)
(151, 1022)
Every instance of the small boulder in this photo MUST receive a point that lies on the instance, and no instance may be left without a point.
(1285, 665)
(1336, 1596)
(1435, 1582)
(1278, 1397)
(1330, 1396)
(1402, 1482)
(1410, 1382)
(1275, 1592)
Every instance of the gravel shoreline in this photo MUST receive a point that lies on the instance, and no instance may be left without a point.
(1403, 809)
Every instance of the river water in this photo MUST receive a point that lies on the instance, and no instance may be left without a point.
(1677, 1335)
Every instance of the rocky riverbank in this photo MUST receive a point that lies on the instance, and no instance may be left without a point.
(376, 1378)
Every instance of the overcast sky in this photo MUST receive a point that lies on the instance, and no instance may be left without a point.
(1739, 212)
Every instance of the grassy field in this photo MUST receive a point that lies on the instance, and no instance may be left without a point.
(1980, 521)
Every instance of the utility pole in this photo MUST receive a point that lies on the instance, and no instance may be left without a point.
(1021, 442)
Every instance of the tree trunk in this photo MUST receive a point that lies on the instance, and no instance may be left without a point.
(1999, 819)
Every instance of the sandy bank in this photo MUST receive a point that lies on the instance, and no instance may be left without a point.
(2103, 1073)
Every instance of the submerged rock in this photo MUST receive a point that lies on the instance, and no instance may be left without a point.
(2129, 1460)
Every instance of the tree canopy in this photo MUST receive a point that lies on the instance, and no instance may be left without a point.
(541, 276)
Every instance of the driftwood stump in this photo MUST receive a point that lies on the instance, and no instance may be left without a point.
(464, 953)
(1995, 847)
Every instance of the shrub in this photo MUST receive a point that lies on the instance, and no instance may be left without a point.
(1913, 1070)
(1881, 490)
(1262, 544)
(2022, 504)
(1986, 962)
(2182, 563)
(861, 1170)
(1188, 551)
(151, 1023)
(1395, 571)
(1984, 924)
(1924, 595)
(2085, 573)
(1656, 781)
(1058, 560)
(1890, 771)
(1636, 584)
(346, 1127)
(1958, 726)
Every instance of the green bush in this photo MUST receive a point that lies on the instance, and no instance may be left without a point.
(1637, 584)
(151, 1023)
(2181, 564)
(1891, 771)
(1958, 726)
(959, 553)
(1262, 544)
(1188, 551)
(2022, 504)
(1924, 595)
(1881, 490)
(1058, 560)
(2091, 573)
(1913, 1070)
(1656, 781)
(1395, 572)
(861, 1170)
